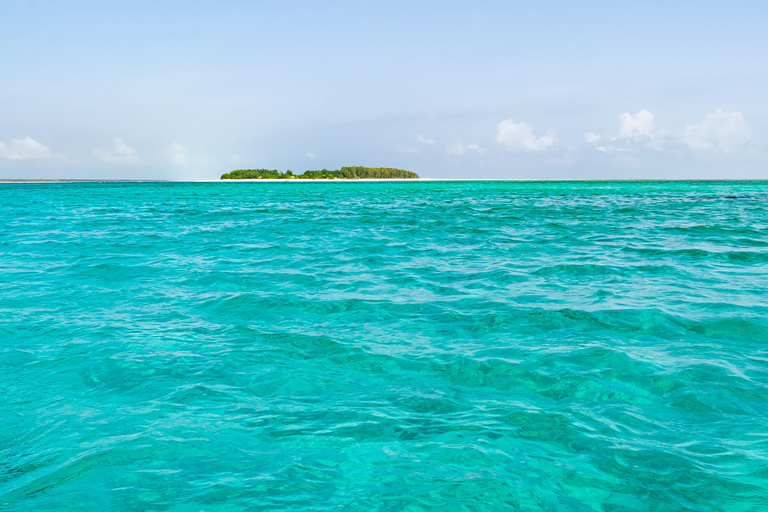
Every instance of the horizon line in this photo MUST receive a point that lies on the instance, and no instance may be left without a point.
(300, 180)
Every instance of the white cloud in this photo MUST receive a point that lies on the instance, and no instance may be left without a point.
(721, 130)
(22, 149)
(600, 143)
(177, 154)
(475, 147)
(636, 133)
(460, 149)
(120, 153)
(638, 125)
(520, 137)
(410, 150)
(310, 155)
(425, 141)
(592, 138)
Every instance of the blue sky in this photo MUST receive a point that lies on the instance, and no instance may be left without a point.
(189, 90)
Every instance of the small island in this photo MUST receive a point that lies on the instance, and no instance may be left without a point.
(345, 173)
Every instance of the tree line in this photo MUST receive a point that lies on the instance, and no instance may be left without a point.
(347, 173)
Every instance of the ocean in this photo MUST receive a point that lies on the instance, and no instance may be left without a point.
(403, 346)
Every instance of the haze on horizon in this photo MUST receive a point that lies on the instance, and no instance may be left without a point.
(190, 90)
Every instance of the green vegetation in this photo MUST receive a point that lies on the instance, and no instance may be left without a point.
(345, 173)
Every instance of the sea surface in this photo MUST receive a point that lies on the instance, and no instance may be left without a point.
(403, 346)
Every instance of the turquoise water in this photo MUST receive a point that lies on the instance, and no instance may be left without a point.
(384, 346)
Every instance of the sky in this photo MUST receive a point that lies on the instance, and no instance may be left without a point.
(510, 89)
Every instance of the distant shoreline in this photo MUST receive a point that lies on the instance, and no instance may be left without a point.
(409, 180)
(6, 180)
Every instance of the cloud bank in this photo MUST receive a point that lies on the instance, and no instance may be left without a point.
(23, 149)
(720, 131)
(635, 126)
(519, 137)
(636, 133)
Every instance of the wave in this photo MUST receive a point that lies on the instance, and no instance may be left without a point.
(702, 254)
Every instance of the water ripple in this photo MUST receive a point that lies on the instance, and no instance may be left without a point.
(399, 346)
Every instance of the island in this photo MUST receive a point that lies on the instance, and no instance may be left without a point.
(345, 173)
